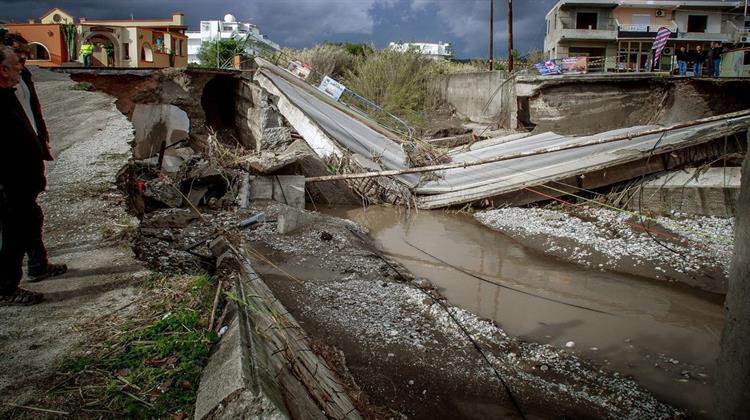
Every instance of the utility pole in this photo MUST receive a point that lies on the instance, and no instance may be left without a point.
(510, 36)
(492, 32)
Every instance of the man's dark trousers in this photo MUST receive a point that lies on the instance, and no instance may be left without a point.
(21, 219)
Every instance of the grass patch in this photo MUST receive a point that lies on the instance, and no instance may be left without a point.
(148, 363)
(85, 86)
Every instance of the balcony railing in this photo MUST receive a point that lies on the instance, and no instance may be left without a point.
(647, 28)
(604, 24)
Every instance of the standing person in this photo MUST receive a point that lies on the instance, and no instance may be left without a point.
(87, 52)
(699, 56)
(716, 52)
(682, 58)
(21, 180)
(38, 265)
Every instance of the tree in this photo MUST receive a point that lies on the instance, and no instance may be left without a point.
(227, 49)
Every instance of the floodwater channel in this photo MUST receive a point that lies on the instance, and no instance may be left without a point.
(663, 335)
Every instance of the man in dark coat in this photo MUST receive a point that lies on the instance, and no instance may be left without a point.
(39, 267)
(21, 181)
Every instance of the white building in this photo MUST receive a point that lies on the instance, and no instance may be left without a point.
(213, 30)
(437, 51)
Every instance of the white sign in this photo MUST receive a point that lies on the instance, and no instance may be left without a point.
(332, 88)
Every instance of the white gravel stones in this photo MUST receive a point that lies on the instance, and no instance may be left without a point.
(617, 236)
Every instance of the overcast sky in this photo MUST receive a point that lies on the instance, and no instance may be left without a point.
(303, 23)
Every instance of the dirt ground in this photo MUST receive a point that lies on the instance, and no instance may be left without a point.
(85, 228)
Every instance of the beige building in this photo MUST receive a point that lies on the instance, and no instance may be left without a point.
(622, 32)
(118, 43)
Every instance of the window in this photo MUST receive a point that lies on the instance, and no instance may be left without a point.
(147, 54)
(586, 20)
(746, 59)
(125, 51)
(697, 23)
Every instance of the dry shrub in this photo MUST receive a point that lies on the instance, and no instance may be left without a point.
(326, 59)
(397, 81)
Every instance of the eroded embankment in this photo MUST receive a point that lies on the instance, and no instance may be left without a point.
(588, 105)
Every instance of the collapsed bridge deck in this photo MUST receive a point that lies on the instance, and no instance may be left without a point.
(505, 166)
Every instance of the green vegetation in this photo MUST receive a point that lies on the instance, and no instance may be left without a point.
(227, 49)
(396, 81)
(148, 364)
(85, 86)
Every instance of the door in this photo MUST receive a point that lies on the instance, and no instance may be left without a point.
(641, 22)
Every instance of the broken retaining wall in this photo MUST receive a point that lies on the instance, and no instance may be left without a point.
(477, 96)
(588, 104)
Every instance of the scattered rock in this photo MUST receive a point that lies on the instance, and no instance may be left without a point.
(163, 192)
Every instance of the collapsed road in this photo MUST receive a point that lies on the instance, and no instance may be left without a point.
(379, 332)
(501, 169)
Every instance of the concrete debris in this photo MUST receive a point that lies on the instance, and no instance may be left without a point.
(713, 192)
(204, 170)
(162, 193)
(604, 239)
(292, 219)
(156, 125)
(266, 162)
(287, 189)
(277, 138)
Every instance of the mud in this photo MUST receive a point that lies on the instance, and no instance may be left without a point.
(664, 336)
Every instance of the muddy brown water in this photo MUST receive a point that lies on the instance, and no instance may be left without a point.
(663, 335)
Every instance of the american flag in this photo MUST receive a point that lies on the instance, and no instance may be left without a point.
(661, 40)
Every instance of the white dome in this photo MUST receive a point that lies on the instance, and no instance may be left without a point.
(229, 19)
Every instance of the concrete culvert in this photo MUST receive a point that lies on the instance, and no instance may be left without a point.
(219, 102)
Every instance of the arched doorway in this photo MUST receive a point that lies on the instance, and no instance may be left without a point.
(38, 51)
(105, 49)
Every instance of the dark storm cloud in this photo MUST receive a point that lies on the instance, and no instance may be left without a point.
(300, 23)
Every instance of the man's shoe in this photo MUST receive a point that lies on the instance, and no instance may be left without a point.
(53, 270)
(21, 297)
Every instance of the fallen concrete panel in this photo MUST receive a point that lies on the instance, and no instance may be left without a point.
(710, 193)
(274, 354)
(156, 124)
(227, 379)
(287, 189)
(466, 185)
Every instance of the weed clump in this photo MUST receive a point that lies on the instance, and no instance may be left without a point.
(326, 59)
(84, 86)
(149, 362)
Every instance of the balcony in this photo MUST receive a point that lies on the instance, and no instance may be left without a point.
(705, 36)
(589, 34)
(643, 31)
(605, 29)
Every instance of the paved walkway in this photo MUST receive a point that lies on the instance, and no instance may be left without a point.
(85, 221)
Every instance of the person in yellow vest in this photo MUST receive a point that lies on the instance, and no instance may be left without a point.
(87, 52)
